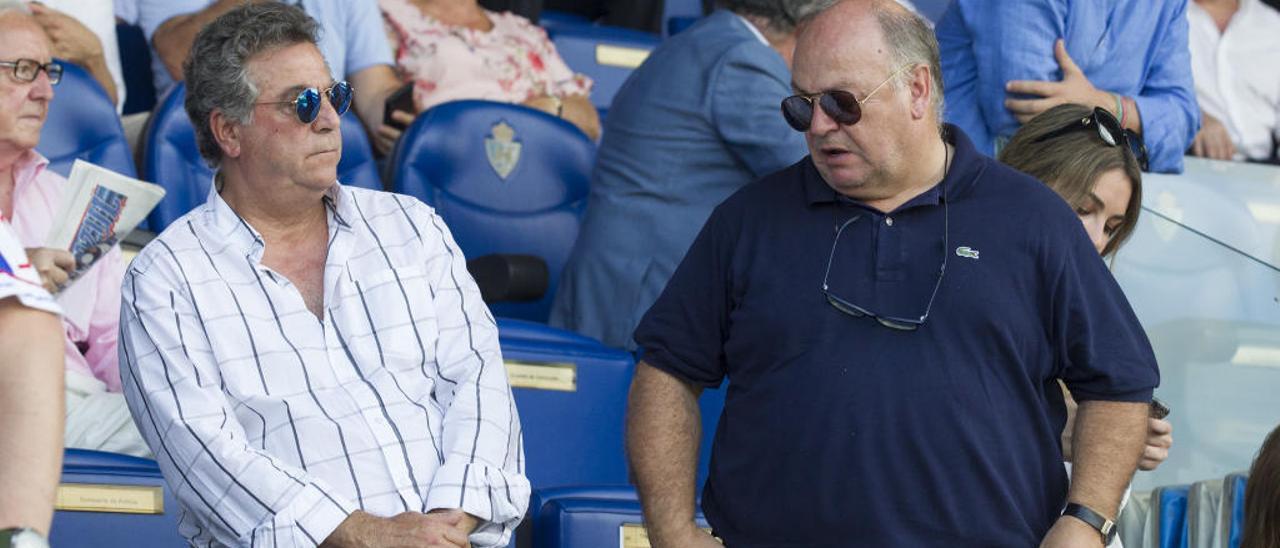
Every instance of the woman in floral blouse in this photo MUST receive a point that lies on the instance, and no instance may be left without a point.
(454, 49)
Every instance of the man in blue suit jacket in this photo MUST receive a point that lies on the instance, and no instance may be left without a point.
(698, 120)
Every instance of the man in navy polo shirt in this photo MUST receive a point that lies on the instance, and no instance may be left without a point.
(892, 312)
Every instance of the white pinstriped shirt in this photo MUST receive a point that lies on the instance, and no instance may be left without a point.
(271, 425)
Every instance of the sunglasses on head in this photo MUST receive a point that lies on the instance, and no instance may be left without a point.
(307, 104)
(26, 70)
(840, 105)
(1109, 130)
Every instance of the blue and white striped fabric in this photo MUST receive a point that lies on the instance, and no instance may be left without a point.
(272, 425)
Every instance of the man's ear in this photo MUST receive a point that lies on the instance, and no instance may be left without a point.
(921, 88)
(226, 132)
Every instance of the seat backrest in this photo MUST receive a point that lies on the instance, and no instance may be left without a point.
(591, 523)
(1233, 518)
(171, 159)
(83, 124)
(1205, 504)
(106, 499)
(606, 54)
(572, 401)
(505, 178)
(1170, 503)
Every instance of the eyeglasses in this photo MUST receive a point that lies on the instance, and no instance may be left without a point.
(307, 104)
(901, 324)
(26, 70)
(1109, 130)
(840, 105)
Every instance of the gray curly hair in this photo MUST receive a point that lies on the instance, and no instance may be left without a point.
(216, 70)
(783, 15)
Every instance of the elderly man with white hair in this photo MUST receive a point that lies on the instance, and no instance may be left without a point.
(30, 198)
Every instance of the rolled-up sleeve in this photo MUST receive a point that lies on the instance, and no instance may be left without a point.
(1167, 103)
(483, 469)
(1102, 350)
(172, 386)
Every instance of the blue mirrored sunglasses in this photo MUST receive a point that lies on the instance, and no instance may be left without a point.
(307, 104)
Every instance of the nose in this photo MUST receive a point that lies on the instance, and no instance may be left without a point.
(41, 87)
(821, 123)
(1097, 231)
(328, 119)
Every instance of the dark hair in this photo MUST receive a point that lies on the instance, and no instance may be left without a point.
(1262, 497)
(783, 15)
(1072, 163)
(216, 69)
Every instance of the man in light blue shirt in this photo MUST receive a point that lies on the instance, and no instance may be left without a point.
(352, 41)
(698, 120)
(1002, 65)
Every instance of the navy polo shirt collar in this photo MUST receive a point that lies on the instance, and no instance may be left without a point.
(964, 171)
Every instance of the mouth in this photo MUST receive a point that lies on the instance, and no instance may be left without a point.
(836, 153)
(323, 152)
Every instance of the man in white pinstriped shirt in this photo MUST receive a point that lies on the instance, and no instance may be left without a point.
(311, 363)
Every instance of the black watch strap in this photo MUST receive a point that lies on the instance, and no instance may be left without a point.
(1105, 527)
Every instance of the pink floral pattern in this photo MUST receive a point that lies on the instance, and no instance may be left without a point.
(513, 62)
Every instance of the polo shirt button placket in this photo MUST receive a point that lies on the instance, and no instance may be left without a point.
(888, 221)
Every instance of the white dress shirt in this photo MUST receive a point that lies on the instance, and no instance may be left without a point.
(272, 425)
(1236, 74)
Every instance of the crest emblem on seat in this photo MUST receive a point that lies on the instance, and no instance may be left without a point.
(502, 149)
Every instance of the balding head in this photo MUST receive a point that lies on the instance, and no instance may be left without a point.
(882, 29)
(888, 59)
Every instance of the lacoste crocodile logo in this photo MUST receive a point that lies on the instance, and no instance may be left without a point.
(967, 252)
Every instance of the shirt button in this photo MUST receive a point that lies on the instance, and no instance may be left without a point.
(888, 221)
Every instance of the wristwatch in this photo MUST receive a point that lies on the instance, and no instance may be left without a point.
(22, 537)
(1105, 527)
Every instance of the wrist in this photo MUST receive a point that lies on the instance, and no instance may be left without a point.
(1089, 522)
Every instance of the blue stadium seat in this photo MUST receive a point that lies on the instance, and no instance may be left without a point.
(83, 124)
(711, 404)
(123, 477)
(677, 24)
(572, 431)
(589, 523)
(532, 331)
(505, 178)
(170, 158)
(680, 14)
(551, 18)
(1234, 499)
(1170, 504)
(606, 54)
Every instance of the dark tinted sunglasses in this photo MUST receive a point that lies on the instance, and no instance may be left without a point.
(840, 105)
(1109, 130)
(307, 104)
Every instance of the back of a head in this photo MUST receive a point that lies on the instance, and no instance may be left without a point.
(782, 15)
(1262, 497)
(1072, 163)
(216, 69)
